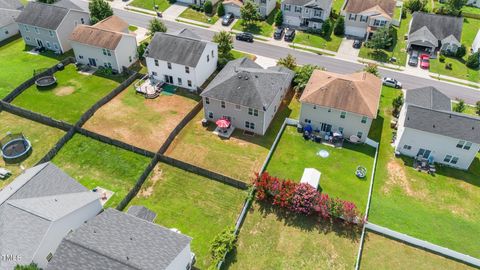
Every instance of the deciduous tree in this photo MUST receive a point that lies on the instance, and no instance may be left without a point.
(156, 26)
(289, 62)
(99, 10)
(249, 12)
(225, 43)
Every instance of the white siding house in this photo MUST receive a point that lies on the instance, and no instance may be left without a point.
(364, 17)
(306, 13)
(476, 43)
(265, 7)
(8, 26)
(183, 59)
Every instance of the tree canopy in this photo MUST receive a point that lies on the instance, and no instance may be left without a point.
(289, 62)
(99, 10)
(249, 12)
(156, 26)
(225, 43)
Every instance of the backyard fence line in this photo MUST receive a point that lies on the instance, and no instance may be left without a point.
(287, 121)
(425, 245)
(25, 85)
(115, 142)
(36, 117)
(56, 148)
(203, 172)
(180, 126)
(138, 185)
(91, 111)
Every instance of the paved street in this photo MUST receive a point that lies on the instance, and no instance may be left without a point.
(470, 95)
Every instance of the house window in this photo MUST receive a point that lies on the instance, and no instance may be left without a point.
(454, 160)
(156, 62)
(329, 110)
(27, 38)
(48, 45)
(379, 22)
(169, 65)
(82, 20)
(51, 33)
(104, 51)
(55, 46)
(467, 146)
(407, 147)
(363, 18)
(189, 82)
(154, 73)
(287, 7)
(447, 158)
(210, 115)
(179, 81)
(364, 119)
(308, 121)
(263, 1)
(222, 104)
(130, 59)
(208, 57)
(314, 107)
(26, 29)
(298, 9)
(109, 53)
(238, 107)
(317, 13)
(80, 56)
(460, 144)
(213, 55)
(36, 30)
(207, 100)
(342, 115)
(253, 112)
(352, 17)
(359, 134)
(249, 125)
(187, 70)
(49, 257)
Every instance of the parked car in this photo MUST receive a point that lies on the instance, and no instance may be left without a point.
(425, 61)
(289, 35)
(244, 37)
(391, 82)
(357, 44)
(278, 33)
(413, 61)
(227, 19)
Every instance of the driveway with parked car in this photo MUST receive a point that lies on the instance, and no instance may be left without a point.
(248, 37)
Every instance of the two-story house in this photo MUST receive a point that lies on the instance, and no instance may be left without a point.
(182, 59)
(346, 104)
(106, 44)
(49, 26)
(428, 128)
(246, 94)
(363, 17)
(306, 13)
(265, 7)
(9, 11)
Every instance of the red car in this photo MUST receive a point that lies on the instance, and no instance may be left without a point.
(425, 61)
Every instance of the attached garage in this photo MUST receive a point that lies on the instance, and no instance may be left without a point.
(355, 31)
(233, 6)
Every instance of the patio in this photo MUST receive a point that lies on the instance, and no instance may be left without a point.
(149, 87)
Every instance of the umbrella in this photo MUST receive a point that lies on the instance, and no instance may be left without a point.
(223, 123)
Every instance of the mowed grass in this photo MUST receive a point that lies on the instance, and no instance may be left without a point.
(293, 154)
(262, 28)
(199, 207)
(145, 123)
(149, 4)
(238, 157)
(198, 16)
(74, 94)
(331, 42)
(95, 164)
(272, 239)
(42, 138)
(17, 65)
(442, 209)
(383, 253)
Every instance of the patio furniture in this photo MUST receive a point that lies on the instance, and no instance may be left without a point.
(361, 172)
(311, 176)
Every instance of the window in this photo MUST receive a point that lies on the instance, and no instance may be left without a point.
(208, 57)
(213, 55)
(447, 158)
(179, 81)
(49, 257)
(329, 110)
(104, 51)
(51, 33)
(154, 73)
(298, 9)
(109, 53)
(187, 70)
(210, 115)
(454, 160)
(287, 7)
(55, 45)
(82, 20)
(314, 107)
(238, 107)
(363, 18)
(48, 45)
(308, 121)
(263, 1)
(27, 38)
(467, 146)
(26, 29)
(352, 17)
(156, 62)
(249, 125)
(364, 119)
(6, 32)
(407, 147)
(169, 65)
(80, 56)
(379, 22)
(223, 104)
(342, 115)
(317, 13)
(36, 30)
(189, 82)
(359, 134)
(207, 100)
(253, 112)
(460, 144)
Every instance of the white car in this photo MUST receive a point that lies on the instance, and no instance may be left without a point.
(391, 82)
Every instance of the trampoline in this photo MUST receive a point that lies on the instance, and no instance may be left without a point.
(15, 148)
(46, 81)
(361, 172)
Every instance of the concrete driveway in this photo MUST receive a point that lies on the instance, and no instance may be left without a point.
(346, 50)
(174, 11)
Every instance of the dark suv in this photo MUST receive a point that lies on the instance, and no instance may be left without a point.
(289, 35)
(244, 37)
(227, 19)
(278, 33)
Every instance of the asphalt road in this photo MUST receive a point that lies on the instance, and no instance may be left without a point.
(468, 94)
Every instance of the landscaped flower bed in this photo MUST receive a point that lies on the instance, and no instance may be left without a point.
(301, 198)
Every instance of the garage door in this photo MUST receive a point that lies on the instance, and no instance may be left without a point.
(233, 9)
(355, 31)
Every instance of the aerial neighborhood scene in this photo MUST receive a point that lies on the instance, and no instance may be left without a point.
(239, 134)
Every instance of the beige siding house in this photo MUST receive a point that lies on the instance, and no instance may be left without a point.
(106, 44)
(363, 17)
(49, 26)
(246, 94)
(346, 104)
(427, 128)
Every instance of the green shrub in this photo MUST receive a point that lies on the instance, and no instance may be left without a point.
(279, 18)
(461, 51)
(339, 29)
(448, 66)
(442, 58)
(326, 27)
(222, 244)
(220, 10)
(208, 7)
(473, 61)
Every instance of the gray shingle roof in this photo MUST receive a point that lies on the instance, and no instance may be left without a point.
(115, 240)
(42, 15)
(8, 16)
(185, 32)
(440, 26)
(11, 4)
(246, 83)
(297, 2)
(67, 4)
(182, 50)
(428, 97)
(423, 37)
(142, 212)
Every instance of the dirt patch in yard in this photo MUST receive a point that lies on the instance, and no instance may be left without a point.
(398, 177)
(157, 175)
(64, 91)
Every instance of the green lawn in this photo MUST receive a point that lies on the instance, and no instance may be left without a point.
(132, 28)
(70, 98)
(95, 164)
(471, 10)
(293, 154)
(331, 43)
(237, 54)
(238, 157)
(397, 50)
(199, 207)
(42, 138)
(383, 253)
(149, 4)
(262, 28)
(442, 209)
(337, 5)
(272, 239)
(199, 16)
(17, 65)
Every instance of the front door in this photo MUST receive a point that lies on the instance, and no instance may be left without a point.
(40, 43)
(92, 62)
(424, 153)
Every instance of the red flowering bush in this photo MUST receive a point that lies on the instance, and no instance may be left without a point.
(322, 206)
(305, 199)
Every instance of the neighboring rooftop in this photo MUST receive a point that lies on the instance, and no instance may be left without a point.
(244, 82)
(112, 23)
(42, 15)
(116, 240)
(357, 93)
(384, 7)
(8, 16)
(67, 4)
(237, 3)
(11, 4)
(142, 212)
(93, 36)
(183, 49)
(440, 26)
(428, 97)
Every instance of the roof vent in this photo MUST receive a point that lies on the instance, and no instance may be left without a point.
(246, 77)
(56, 199)
(433, 126)
(239, 76)
(128, 258)
(473, 128)
(94, 231)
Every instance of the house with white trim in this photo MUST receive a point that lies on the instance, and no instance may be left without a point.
(364, 17)
(265, 7)
(306, 13)
(9, 11)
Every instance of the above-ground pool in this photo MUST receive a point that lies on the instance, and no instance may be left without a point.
(15, 148)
